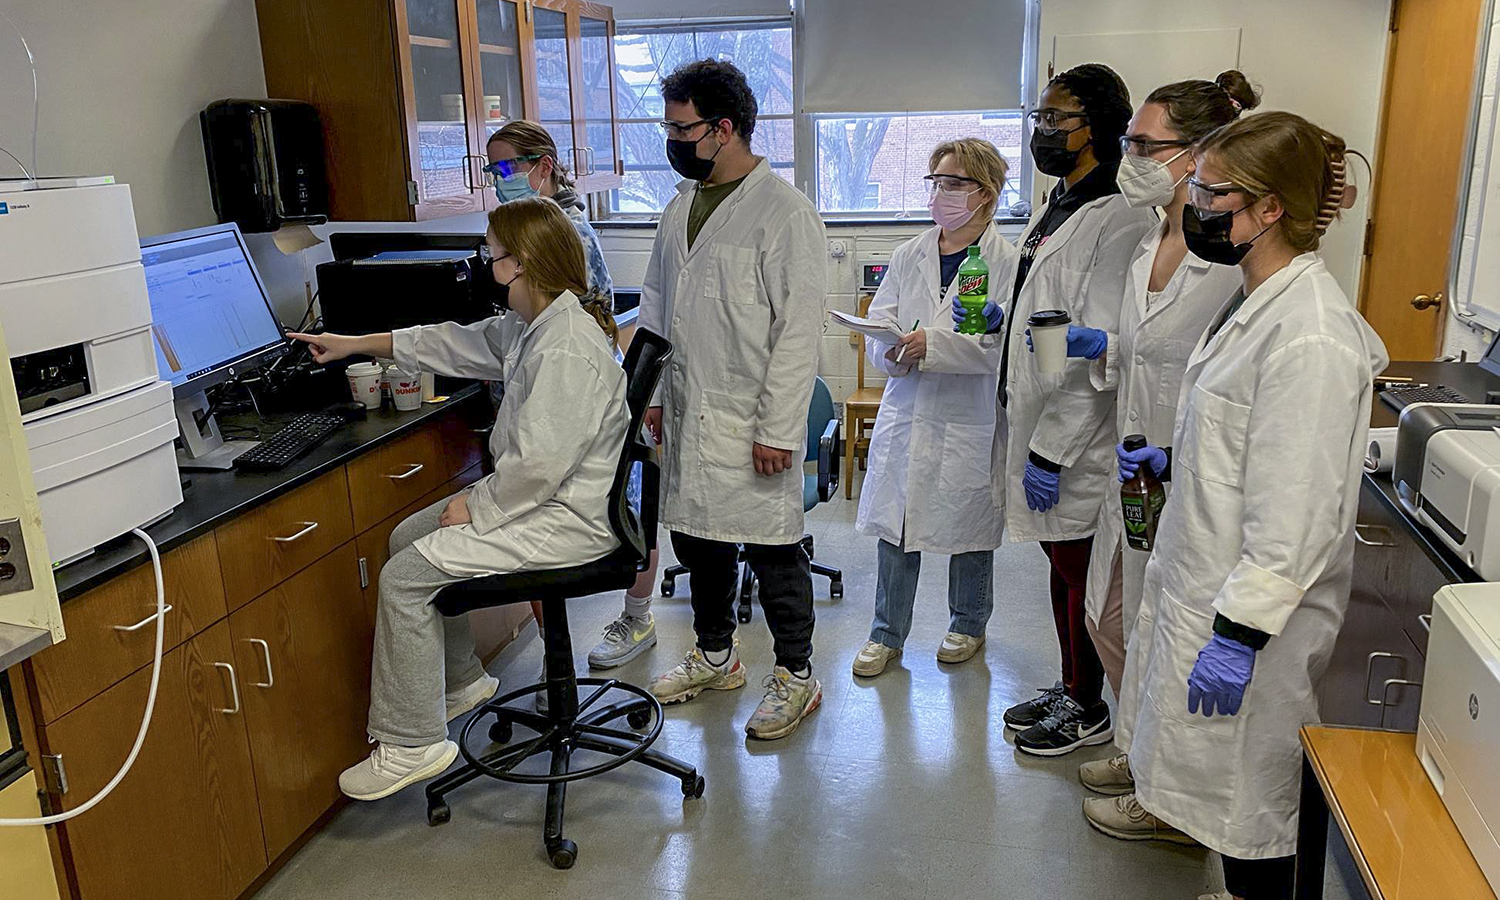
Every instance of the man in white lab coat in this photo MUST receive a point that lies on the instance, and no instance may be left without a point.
(736, 282)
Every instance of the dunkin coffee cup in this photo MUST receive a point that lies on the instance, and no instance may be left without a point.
(1049, 339)
(406, 388)
(364, 383)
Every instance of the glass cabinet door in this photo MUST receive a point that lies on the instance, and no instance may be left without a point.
(502, 98)
(595, 61)
(443, 141)
(553, 79)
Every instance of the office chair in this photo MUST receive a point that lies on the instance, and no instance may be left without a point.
(572, 724)
(822, 447)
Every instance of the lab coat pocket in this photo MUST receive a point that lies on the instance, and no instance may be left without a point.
(964, 468)
(734, 276)
(1211, 442)
(726, 431)
(1185, 631)
(1174, 357)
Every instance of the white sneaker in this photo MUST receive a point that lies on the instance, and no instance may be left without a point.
(957, 648)
(789, 699)
(466, 698)
(1110, 777)
(695, 674)
(390, 768)
(624, 640)
(872, 659)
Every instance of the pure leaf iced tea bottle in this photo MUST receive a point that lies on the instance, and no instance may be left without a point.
(1141, 501)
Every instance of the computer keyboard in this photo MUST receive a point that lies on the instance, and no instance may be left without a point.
(299, 436)
(1401, 397)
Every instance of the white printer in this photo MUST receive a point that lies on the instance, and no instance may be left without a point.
(99, 422)
(1447, 475)
(1458, 733)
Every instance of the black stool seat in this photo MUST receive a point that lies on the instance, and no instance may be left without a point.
(614, 572)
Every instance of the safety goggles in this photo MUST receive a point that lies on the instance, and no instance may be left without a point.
(1137, 146)
(1203, 195)
(950, 184)
(680, 132)
(504, 168)
(1049, 121)
(488, 258)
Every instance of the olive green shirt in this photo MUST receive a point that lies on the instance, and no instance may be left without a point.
(706, 199)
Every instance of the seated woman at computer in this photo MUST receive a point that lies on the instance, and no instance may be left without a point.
(544, 507)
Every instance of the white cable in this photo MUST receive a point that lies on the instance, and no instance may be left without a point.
(140, 737)
(36, 100)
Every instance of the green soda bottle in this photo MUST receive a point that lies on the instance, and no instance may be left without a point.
(973, 292)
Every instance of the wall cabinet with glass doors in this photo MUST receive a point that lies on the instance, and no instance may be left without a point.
(410, 91)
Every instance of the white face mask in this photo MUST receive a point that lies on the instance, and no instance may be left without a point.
(1147, 182)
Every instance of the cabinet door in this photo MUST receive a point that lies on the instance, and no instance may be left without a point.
(303, 653)
(183, 824)
(1368, 623)
(499, 68)
(441, 104)
(595, 129)
(554, 75)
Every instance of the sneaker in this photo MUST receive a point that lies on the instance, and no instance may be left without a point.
(1024, 715)
(624, 640)
(390, 768)
(1124, 818)
(466, 698)
(1065, 729)
(957, 648)
(787, 702)
(694, 675)
(872, 659)
(1110, 777)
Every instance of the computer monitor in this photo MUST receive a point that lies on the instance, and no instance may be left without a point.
(211, 320)
(1490, 362)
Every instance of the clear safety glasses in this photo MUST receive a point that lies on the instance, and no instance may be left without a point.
(1203, 195)
(1139, 146)
(950, 184)
(1050, 121)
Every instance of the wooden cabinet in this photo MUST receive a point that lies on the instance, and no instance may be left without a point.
(265, 546)
(410, 91)
(183, 825)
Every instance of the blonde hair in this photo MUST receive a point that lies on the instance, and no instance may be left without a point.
(980, 161)
(537, 232)
(531, 139)
(1283, 154)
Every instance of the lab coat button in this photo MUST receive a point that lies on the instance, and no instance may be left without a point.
(1133, 417)
(1140, 360)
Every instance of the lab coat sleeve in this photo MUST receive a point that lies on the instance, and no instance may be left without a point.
(1104, 372)
(952, 353)
(567, 398)
(1297, 449)
(461, 351)
(792, 270)
(653, 315)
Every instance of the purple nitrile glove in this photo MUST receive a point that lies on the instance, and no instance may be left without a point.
(1130, 460)
(1043, 488)
(1220, 676)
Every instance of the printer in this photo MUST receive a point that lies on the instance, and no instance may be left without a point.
(1458, 731)
(99, 423)
(1447, 476)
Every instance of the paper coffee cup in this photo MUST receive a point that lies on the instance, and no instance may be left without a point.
(1049, 339)
(429, 387)
(406, 388)
(364, 383)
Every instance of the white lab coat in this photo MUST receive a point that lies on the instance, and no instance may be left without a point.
(744, 309)
(556, 443)
(1143, 365)
(1267, 457)
(936, 426)
(1081, 268)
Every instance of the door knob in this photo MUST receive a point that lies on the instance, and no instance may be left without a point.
(1423, 301)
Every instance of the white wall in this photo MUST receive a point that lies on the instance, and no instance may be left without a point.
(122, 82)
(1460, 336)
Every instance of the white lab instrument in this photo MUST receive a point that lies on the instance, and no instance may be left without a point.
(73, 304)
(1447, 475)
(1458, 730)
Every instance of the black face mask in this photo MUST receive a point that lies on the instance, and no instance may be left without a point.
(1051, 154)
(683, 155)
(497, 292)
(1208, 238)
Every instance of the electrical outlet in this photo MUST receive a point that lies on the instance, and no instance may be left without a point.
(15, 571)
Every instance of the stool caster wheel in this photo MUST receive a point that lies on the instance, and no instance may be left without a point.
(438, 813)
(692, 789)
(835, 589)
(500, 732)
(668, 587)
(563, 854)
(639, 720)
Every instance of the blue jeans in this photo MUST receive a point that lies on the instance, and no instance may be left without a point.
(970, 600)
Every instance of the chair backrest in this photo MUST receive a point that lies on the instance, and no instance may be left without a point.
(644, 362)
(820, 411)
(863, 308)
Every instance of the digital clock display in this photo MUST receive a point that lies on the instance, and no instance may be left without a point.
(874, 274)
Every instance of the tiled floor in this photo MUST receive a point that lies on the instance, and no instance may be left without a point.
(900, 787)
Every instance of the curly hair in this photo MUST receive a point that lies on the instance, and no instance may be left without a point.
(717, 90)
(1105, 99)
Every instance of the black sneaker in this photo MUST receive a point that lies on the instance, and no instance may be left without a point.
(1065, 729)
(1025, 715)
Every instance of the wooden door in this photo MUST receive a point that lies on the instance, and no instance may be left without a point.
(183, 824)
(1429, 82)
(303, 654)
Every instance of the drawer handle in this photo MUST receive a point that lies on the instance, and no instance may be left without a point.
(1384, 694)
(1426, 620)
(1369, 670)
(1369, 543)
(483, 430)
(307, 528)
(265, 649)
(414, 469)
(234, 687)
(146, 621)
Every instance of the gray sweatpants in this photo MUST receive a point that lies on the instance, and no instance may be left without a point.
(419, 653)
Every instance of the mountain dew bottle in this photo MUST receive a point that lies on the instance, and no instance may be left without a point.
(973, 292)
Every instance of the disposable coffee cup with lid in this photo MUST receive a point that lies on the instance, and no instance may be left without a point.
(1049, 339)
(364, 383)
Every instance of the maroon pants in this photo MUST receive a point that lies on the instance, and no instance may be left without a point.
(1082, 673)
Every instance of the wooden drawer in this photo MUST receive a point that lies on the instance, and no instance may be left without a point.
(388, 478)
(464, 436)
(263, 547)
(97, 654)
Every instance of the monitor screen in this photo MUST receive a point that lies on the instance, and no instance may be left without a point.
(208, 307)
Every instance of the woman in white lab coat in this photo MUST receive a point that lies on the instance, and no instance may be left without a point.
(1170, 296)
(928, 485)
(1246, 588)
(556, 443)
(1059, 454)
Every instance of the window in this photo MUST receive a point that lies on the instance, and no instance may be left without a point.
(643, 56)
(876, 163)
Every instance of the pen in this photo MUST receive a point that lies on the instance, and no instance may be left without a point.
(915, 325)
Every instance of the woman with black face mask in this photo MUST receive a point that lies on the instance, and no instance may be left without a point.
(1059, 447)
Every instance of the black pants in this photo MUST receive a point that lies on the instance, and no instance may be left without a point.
(1082, 672)
(1260, 879)
(785, 593)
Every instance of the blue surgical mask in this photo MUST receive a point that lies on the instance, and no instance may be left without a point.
(514, 187)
